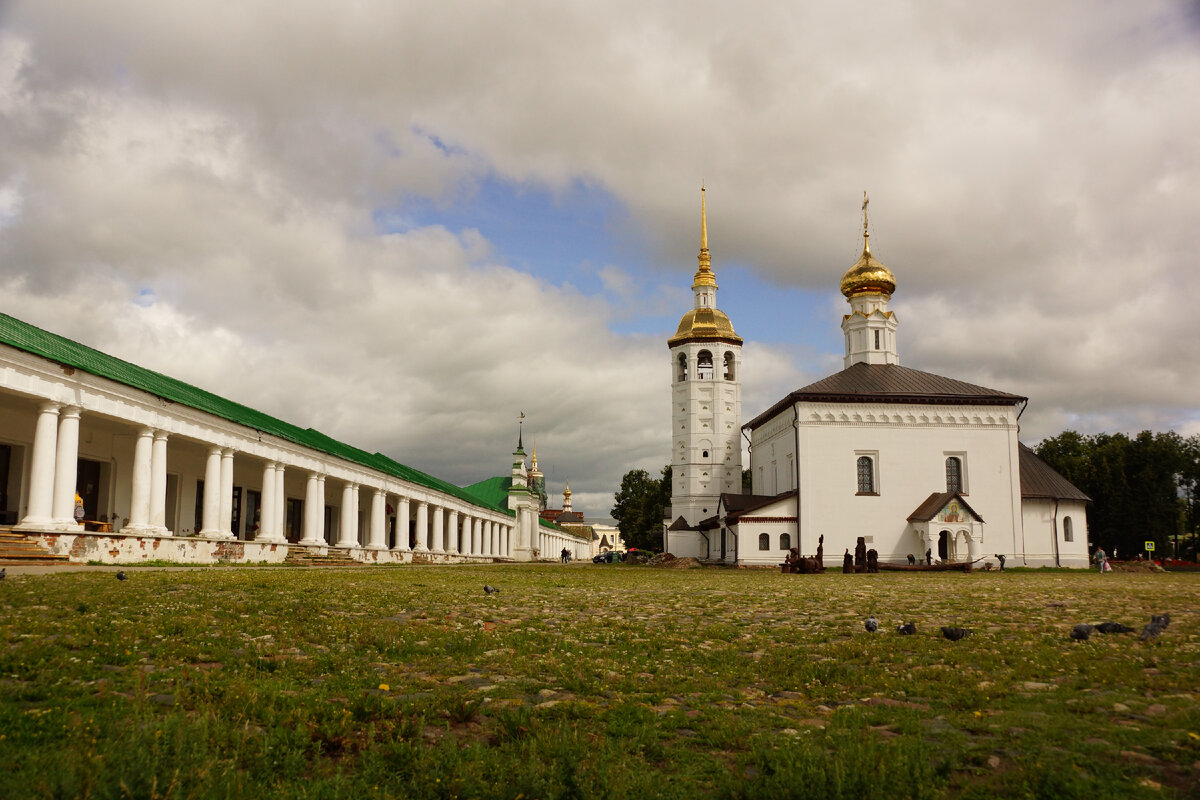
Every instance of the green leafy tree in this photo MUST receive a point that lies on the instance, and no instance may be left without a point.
(1138, 486)
(640, 506)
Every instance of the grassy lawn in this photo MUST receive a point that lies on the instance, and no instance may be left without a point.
(593, 681)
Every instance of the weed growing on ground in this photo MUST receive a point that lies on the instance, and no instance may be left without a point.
(594, 681)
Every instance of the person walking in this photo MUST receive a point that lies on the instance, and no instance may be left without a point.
(1101, 560)
(565, 555)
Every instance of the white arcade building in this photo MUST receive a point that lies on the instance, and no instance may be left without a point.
(103, 460)
(915, 463)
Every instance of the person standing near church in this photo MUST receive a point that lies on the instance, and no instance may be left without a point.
(1101, 559)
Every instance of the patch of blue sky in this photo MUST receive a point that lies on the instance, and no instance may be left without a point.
(568, 236)
(563, 237)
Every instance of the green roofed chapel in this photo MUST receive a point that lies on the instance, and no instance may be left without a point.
(101, 459)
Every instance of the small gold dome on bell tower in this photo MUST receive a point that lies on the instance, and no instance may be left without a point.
(868, 274)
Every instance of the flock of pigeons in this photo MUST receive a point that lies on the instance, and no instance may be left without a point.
(1158, 623)
(909, 628)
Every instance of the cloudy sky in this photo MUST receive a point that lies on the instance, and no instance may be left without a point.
(403, 223)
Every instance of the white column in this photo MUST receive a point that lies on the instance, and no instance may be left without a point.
(158, 484)
(41, 468)
(422, 531)
(226, 498)
(321, 508)
(210, 521)
(452, 532)
(280, 533)
(505, 552)
(378, 521)
(66, 468)
(348, 535)
(402, 543)
(314, 507)
(266, 514)
(439, 530)
(139, 504)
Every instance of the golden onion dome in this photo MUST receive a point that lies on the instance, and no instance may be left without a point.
(704, 324)
(868, 275)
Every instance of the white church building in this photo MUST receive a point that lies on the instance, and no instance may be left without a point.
(104, 460)
(917, 464)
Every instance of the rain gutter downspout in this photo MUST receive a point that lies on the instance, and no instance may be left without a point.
(1054, 530)
(796, 431)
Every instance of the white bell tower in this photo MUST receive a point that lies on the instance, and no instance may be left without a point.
(706, 399)
(870, 328)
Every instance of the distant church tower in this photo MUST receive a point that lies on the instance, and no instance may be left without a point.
(869, 327)
(706, 399)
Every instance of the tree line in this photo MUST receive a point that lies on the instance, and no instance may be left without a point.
(1143, 488)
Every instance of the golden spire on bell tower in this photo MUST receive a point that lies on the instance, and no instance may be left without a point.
(704, 275)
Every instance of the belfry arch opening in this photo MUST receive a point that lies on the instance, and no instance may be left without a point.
(704, 365)
(729, 366)
(681, 368)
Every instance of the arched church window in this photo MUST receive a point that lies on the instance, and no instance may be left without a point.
(764, 541)
(681, 375)
(866, 475)
(704, 365)
(953, 474)
(785, 541)
(1068, 530)
(729, 372)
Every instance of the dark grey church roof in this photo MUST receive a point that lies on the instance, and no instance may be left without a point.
(889, 383)
(1039, 479)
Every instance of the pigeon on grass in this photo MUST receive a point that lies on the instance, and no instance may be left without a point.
(3, 572)
(488, 589)
(1162, 620)
(121, 576)
(1113, 627)
(954, 634)
(1152, 630)
(907, 629)
(871, 624)
(1081, 632)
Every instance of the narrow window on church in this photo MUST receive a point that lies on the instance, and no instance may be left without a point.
(682, 374)
(1068, 531)
(704, 365)
(876, 340)
(728, 365)
(866, 475)
(785, 541)
(953, 474)
(764, 540)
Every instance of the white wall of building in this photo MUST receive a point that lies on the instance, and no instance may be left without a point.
(1045, 522)
(909, 446)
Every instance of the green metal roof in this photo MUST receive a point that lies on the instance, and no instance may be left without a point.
(61, 350)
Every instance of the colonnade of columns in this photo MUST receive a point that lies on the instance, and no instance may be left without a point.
(551, 544)
(52, 487)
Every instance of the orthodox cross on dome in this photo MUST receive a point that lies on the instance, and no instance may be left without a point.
(866, 235)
